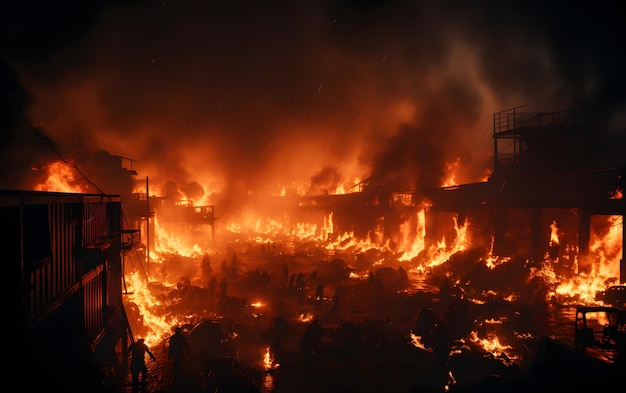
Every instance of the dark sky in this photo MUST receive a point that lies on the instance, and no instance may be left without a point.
(227, 98)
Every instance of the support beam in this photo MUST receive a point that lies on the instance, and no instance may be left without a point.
(584, 238)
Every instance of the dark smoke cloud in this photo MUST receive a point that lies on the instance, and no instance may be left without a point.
(225, 99)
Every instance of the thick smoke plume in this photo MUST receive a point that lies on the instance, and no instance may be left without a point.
(216, 101)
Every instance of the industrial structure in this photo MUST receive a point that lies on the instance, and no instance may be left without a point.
(543, 171)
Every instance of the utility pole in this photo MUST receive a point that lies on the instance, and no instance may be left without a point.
(148, 230)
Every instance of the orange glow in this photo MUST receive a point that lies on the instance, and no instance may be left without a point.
(157, 327)
(441, 253)
(348, 241)
(452, 171)
(60, 179)
(413, 241)
(605, 253)
(268, 360)
(306, 317)
(492, 345)
(618, 193)
(264, 229)
(554, 234)
(417, 342)
(346, 186)
(407, 244)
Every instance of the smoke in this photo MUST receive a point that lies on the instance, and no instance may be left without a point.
(216, 101)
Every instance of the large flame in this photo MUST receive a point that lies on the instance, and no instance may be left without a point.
(155, 325)
(605, 256)
(60, 178)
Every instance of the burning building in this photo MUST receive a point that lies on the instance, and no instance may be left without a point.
(443, 237)
(544, 185)
(341, 141)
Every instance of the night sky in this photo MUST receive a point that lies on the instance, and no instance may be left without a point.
(220, 99)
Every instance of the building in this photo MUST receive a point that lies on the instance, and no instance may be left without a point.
(547, 167)
(66, 250)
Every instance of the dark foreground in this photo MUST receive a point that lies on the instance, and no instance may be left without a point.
(556, 367)
(367, 354)
(364, 336)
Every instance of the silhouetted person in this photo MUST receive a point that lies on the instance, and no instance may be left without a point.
(349, 382)
(313, 277)
(178, 348)
(425, 326)
(234, 266)
(319, 292)
(300, 283)
(442, 354)
(212, 287)
(285, 275)
(310, 342)
(224, 267)
(207, 270)
(337, 298)
(137, 351)
(277, 350)
(265, 279)
(279, 327)
(404, 278)
(223, 287)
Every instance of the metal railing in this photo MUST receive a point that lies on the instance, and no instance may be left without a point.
(515, 118)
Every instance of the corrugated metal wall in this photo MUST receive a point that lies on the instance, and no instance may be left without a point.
(69, 252)
(53, 274)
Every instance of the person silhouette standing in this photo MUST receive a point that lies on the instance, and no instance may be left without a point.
(138, 351)
(178, 347)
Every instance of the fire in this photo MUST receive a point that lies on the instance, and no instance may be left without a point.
(328, 226)
(492, 345)
(554, 234)
(306, 317)
(453, 169)
(267, 228)
(154, 327)
(417, 342)
(605, 252)
(60, 179)
(437, 254)
(348, 241)
(441, 253)
(167, 241)
(607, 246)
(268, 360)
(412, 240)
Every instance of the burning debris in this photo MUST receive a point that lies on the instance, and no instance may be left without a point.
(371, 318)
(354, 197)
